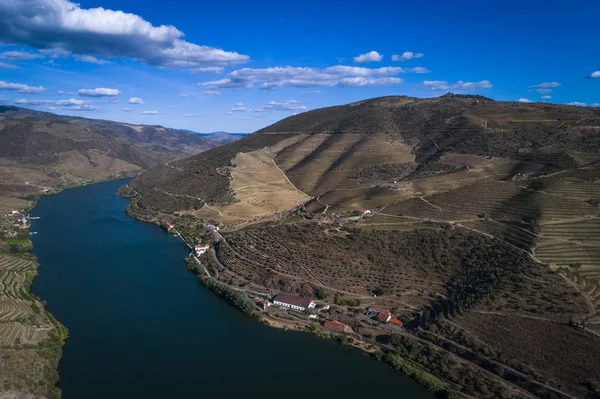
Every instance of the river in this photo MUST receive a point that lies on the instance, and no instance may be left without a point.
(141, 326)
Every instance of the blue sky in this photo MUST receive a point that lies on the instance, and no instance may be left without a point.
(239, 66)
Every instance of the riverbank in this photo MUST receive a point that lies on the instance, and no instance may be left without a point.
(31, 343)
(247, 301)
(31, 339)
(140, 326)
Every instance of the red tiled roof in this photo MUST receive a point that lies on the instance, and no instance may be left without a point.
(378, 309)
(335, 324)
(383, 316)
(394, 320)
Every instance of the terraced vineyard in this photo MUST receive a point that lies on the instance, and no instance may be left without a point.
(22, 319)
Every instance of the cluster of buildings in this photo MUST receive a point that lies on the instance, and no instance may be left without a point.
(302, 304)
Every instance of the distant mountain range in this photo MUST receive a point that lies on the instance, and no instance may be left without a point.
(221, 137)
(40, 150)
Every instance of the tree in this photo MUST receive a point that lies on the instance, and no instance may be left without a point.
(320, 293)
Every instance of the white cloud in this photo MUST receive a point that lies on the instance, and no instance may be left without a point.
(193, 115)
(4, 65)
(61, 92)
(577, 104)
(70, 104)
(76, 105)
(90, 59)
(136, 100)
(19, 55)
(99, 92)
(595, 105)
(546, 87)
(289, 105)
(460, 85)
(371, 56)
(311, 91)
(212, 93)
(61, 25)
(183, 94)
(595, 74)
(546, 97)
(361, 81)
(407, 55)
(217, 70)
(524, 100)
(340, 76)
(149, 112)
(127, 109)
(21, 88)
(360, 71)
(23, 101)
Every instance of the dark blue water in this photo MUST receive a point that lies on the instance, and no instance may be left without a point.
(142, 327)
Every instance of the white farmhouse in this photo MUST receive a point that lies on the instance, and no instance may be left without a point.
(293, 302)
(201, 249)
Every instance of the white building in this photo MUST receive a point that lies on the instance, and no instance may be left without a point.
(201, 249)
(293, 302)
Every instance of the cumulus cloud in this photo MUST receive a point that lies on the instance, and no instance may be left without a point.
(4, 65)
(546, 87)
(216, 70)
(63, 26)
(90, 60)
(335, 76)
(193, 115)
(99, 92)
(407, 55)
(546, 97)
(136, 100)
(460, 85)
(149, 112)
(21, 88)
(595, 74)
(19, 55)
(212, 93)
(371, 56)
(311, 91)
(127, 109)
(524, 100)
(577, 104)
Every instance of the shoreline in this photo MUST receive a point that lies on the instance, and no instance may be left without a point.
(233, 296)
(54, 342)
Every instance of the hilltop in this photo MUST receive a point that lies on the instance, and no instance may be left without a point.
(382, 140)
(482, 232)
(40, 151)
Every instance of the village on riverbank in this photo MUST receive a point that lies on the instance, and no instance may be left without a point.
(365, 322)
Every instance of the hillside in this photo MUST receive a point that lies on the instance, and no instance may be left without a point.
(40, 151)
(379, 141)
(482, 233)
